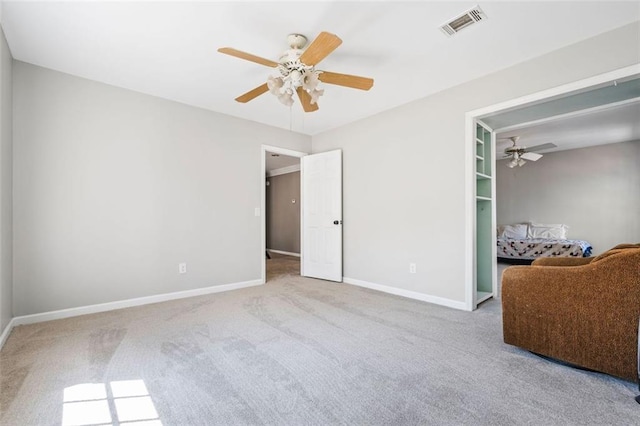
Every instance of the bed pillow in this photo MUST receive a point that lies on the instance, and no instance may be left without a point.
(539, 230)
(517, 231)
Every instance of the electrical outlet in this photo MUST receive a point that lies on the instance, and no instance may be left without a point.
(412, 268)
(182, 268)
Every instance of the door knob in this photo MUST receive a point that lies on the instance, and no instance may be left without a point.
(337, 222)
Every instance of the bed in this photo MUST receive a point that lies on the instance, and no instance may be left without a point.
(525, 242)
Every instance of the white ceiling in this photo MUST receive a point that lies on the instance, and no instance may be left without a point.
(595, 97)
(600, 115)
(619, 123)
(168, 49)
(278, 161)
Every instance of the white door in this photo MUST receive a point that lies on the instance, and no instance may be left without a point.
(322, 215)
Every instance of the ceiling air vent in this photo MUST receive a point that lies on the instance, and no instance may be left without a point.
(471, 16)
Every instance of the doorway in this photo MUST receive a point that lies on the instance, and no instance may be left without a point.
(282, 215)
(320, 207)
(281, 195)
(536, 103)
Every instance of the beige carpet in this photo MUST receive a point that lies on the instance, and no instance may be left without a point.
(280, 265)
(295, 351)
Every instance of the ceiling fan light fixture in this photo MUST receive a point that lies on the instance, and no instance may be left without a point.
(521, 153)
(315, 95)
(274, 84)
(296, 78)
(286, 98)
(293, 75)
(310, 80)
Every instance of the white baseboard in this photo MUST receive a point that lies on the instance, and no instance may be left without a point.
(288, 253)
(407, 293)
(5, 333)
(103, 307)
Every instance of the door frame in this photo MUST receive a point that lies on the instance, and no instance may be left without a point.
(470, 178)
(263, 200)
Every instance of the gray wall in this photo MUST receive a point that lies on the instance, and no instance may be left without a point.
(283, 216)
(404, 169)
(6, 185)
(595, 191)
(112, 189)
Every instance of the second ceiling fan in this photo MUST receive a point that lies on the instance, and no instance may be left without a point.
(298, 73)
(519, 154)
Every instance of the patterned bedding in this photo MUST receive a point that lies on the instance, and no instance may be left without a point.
(532, 248)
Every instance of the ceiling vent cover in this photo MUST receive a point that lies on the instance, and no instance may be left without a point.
(471, 16)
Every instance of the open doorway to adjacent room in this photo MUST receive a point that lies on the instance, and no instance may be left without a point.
(282, 212)
(580, 114)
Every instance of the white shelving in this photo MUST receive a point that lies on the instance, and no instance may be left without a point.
(482, 296)
(484, 215)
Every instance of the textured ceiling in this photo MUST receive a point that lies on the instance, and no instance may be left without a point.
(168, 49)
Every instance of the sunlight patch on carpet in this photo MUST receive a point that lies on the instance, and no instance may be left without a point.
(125, 402)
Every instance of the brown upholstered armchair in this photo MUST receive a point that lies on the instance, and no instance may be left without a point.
(583, 311)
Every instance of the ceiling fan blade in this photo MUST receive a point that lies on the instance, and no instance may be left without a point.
(354, 81)
(531, 156)
(305, 100)
(320, 48)
(252, 94)
(247, 56)
(541, 147)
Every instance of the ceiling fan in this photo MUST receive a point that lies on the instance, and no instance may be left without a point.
(297, 71)
(519, 154)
